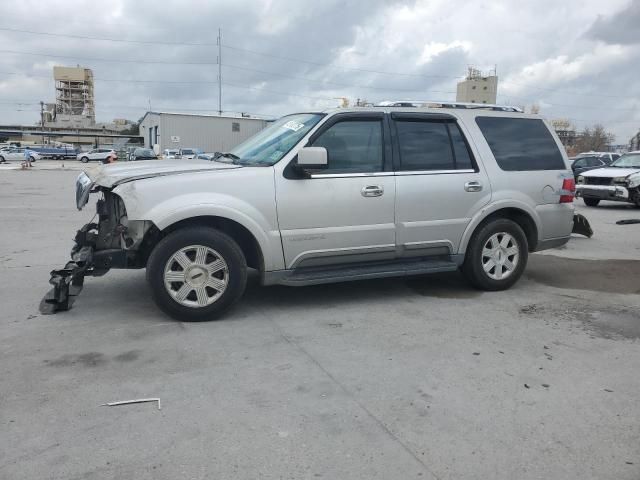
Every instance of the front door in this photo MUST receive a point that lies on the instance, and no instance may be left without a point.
(345, 213)
(439, 185)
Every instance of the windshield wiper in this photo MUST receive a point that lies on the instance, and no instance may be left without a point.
(231, 156)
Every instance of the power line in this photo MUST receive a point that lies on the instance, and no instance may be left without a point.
(93, 59)
(106, 39)
(254, 52)
(230, 47)
(282, 75)
(119, 80)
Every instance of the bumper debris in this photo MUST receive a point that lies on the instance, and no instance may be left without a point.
(581, 225)
(67, 282)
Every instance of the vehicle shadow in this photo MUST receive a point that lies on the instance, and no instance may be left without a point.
(441, 285)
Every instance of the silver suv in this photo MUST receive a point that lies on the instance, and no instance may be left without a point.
(333, 196)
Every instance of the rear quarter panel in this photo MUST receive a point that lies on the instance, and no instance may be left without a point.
(535, 192)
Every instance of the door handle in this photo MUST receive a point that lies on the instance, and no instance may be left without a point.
(473, 187)
(372, 191)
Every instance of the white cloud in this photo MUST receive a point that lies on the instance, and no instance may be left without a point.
(433, 49)
(562, 69)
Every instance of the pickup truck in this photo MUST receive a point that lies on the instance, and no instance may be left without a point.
(56, 153)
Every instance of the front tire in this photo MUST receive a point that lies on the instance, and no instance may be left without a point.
(591, 202)
(496, 256)
(196, 274)
(84, 159)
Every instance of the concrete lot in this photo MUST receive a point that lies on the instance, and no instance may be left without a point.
(390, 379)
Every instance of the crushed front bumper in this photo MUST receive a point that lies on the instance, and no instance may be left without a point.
(603, 192)
(86, 260)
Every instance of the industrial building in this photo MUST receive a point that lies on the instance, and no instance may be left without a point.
(478, 87)
(211, 133)
(75, 102)
(567, 134)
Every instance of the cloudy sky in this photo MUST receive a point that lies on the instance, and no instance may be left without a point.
(578, 59)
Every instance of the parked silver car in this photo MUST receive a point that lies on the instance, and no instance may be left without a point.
(339, 195)
(10, 154)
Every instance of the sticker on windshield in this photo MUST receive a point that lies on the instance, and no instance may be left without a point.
(293, 125)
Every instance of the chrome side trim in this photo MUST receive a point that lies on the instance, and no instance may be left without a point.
(391, 174)
(428, 244)
(433, 172)
(339, 252)
(434, 223)
(350, 175)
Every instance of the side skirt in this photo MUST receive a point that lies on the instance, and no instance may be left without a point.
(364, 271)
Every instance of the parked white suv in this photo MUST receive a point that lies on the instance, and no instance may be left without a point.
(95, 154)
(340, 195)
(619, 182)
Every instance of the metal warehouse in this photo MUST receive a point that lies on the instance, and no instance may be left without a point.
(211, 133)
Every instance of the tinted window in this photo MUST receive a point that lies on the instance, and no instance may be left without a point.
(593, 162)
(424, 146)
(521, 143)
(432, 145)
(353, 146)
(581, 162)
(144, 152)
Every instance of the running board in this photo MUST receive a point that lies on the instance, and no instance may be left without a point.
(348, 273)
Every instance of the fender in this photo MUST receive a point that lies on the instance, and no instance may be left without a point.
(493, 207)
(190, 205)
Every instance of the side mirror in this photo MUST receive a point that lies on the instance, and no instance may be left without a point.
(312, 158)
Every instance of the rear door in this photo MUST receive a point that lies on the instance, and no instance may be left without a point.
(345, 213)
(438, 181)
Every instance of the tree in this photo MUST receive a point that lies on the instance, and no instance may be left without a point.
(595, 139)
(133, 130)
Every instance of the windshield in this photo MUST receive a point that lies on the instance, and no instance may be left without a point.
(271, 144)
(629, 160)
(187, 151)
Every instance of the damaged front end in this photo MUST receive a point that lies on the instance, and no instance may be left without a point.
(111, 242)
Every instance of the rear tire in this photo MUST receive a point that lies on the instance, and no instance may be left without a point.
(196, 274)
(84, 159)
(496, 256)
(591, 202)
(2, 160)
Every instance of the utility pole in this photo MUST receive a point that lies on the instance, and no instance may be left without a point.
(42, 119)
(219, 71)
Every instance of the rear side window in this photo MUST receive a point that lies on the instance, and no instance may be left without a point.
(431, 145)
(521, 144)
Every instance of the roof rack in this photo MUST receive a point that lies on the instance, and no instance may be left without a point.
(440, 104)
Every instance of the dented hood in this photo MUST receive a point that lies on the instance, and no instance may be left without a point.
(610, 172)
(116, 173)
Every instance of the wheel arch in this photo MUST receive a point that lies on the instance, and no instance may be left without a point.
(521, 214)
(246, 240)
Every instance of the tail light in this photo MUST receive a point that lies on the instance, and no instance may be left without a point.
(568, 190)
